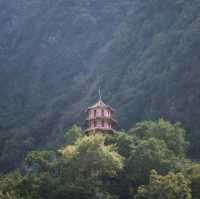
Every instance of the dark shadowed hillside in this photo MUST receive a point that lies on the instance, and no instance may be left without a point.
(54, 55)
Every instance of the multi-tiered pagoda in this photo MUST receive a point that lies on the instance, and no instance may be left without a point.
(100, 119)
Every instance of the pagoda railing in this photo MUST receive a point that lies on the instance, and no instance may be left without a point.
(101, 117)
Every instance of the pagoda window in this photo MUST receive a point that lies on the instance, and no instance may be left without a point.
(98, 112)
(95, 123)
(102, 113)
(102, 123)
(108, 113)
(99, 123)
(95, 113)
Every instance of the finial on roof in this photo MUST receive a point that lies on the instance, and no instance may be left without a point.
(100, 97)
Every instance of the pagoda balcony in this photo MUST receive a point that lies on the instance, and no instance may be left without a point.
(101, 117)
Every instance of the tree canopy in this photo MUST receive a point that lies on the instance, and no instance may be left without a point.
(139, 164)
(171, 186)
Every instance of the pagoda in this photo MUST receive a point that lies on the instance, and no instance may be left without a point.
(100, 118)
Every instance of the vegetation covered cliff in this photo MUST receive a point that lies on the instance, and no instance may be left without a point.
(54, 55)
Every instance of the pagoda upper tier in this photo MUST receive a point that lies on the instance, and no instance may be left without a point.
(100, 118)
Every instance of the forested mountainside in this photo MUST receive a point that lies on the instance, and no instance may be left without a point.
(54, 55)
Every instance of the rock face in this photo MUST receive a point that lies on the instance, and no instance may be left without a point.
(55, 54)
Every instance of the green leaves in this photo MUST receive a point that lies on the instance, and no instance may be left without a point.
(193, 172)
(172, 134)
(123, 141)
(92, 157)
(144, 163)
(171, 186)
(147, 155)
(73, 134)
(11, 195)
(40, 161)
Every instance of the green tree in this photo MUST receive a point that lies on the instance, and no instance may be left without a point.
(123, 141)
(92, 157)
(92, 164)
(147, 155)
(82, 170)
(171, 186)
(105, 166)
(40, 161)
(172, 134)
(194, 175)
(9, 182)
(11, 195)
(73, 134)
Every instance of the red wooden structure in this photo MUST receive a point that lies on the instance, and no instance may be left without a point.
(100, 118)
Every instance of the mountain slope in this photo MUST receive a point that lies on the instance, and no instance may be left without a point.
(54, 55)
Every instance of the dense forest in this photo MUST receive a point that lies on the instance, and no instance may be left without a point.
(147, 162)
(54, 55)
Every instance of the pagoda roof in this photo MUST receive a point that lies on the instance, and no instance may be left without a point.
(100, 104)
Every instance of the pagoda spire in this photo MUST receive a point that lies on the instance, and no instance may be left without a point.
(100, 96)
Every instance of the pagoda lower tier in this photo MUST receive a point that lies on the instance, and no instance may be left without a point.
(97, 130)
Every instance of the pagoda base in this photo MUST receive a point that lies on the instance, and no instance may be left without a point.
(99, 131)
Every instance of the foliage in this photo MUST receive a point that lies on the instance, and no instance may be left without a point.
(123, 141)
(90, 156)
(9, 196)
(172, 134)
(114, 166)
(40, 161)
(147, 155)
(171, 186)
(193, 171)
(76, 171)
(9, 181)
(73, 134)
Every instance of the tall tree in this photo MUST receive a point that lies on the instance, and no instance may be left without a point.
(171, 186)
(174, 135)
(147, 155)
